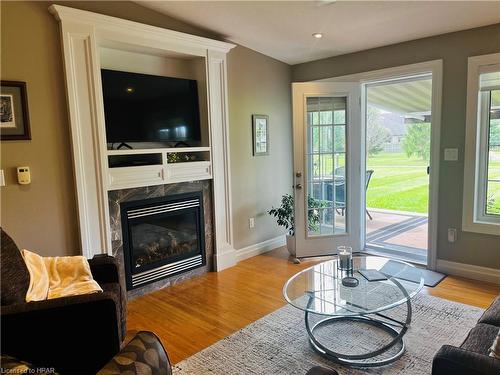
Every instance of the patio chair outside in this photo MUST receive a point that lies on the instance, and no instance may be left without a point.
(339, 184)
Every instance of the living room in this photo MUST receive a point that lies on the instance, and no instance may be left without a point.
(218, 187)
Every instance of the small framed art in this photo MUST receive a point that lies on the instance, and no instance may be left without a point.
(260, 131)
(14, 117)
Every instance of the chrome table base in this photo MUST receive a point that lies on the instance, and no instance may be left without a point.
(391, 326)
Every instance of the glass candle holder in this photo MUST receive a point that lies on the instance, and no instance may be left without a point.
(345, 258)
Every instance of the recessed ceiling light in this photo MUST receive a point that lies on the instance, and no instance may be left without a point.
(318, 35)
(130, 90)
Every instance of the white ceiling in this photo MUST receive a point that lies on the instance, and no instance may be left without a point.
(282, 29)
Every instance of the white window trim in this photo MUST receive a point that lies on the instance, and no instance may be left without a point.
(473, 218)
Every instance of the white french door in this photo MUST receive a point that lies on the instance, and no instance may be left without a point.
(327, 145)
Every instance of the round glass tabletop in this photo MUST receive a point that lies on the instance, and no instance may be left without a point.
(319, 289)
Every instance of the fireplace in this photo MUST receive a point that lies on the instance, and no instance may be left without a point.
(162, 237)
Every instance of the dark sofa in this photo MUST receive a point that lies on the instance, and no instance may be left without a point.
(74, 335)
(472, 358)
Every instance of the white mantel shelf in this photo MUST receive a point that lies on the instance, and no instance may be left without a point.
(83, 34)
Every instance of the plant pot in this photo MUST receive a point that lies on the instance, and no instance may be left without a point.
(290, 245)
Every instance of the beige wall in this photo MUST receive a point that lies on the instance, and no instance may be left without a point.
(42, 216)
(258, 85)
(454, 49)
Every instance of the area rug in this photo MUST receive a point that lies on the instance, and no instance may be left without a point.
(278, 343)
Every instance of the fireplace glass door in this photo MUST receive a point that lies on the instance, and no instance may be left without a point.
(162, 237)
(167, 237)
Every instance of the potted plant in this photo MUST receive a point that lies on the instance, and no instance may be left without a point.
(284, 215)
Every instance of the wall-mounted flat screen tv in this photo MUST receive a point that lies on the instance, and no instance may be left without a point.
(147, 108)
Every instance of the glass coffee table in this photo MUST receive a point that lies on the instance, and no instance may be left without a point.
(319, 291)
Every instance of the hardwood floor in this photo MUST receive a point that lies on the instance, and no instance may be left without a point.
(193, 315)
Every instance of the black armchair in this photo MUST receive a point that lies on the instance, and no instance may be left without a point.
(74, 335)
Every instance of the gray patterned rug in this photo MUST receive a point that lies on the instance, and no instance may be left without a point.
(278, 343)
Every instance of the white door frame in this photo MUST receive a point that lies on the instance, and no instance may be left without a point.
(436, 68)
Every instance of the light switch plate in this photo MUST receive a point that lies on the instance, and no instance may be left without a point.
(451, 154)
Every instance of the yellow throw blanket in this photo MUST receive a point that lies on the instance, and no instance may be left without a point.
(54, 277)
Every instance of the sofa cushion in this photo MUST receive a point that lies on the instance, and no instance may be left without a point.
(15, 278)
(492, 314)
(480, 338)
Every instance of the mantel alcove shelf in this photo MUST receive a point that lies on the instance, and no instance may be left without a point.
(156, 150)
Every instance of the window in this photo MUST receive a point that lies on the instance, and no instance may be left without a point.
(492, 116)
(482, 151)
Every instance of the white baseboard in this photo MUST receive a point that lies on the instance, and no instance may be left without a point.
(469, 271)
(225, 258)
(260, 248)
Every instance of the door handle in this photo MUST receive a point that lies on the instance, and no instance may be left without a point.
(298, 177)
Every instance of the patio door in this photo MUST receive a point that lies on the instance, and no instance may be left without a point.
(327, 167)
(398, 152)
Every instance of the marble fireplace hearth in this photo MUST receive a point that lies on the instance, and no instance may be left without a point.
(116, 197)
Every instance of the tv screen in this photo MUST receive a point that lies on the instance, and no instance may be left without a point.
(147, 108)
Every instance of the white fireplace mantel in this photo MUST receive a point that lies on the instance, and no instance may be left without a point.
(83, 34)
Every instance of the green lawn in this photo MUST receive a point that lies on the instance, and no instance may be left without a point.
(398, 183)
(401, 183)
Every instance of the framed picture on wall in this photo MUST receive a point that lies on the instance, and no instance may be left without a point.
(14, 118)
(260, 131)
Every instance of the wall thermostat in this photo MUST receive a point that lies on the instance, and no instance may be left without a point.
(23, 175)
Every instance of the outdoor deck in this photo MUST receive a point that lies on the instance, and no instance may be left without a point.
(400, 234)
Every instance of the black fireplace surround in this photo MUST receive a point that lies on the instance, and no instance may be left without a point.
(162, 237)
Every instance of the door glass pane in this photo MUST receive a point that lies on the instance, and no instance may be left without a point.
(326, 166)
(339, 116)
(314, 138)
(326, 174)
(339, 138)
(326, 139)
